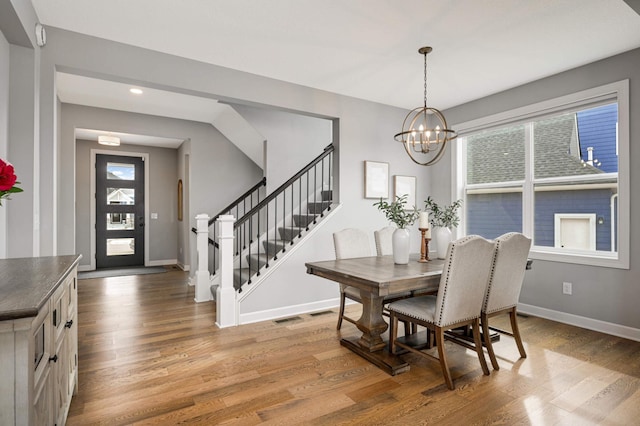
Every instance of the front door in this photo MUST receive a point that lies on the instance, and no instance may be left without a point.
(119, 211)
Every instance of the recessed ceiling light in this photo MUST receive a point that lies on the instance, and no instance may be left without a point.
(136, 91)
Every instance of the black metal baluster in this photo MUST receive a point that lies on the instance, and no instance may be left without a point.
(315, 192)
(284, 214)
(307, 201)
(330, 185)
(291, 221)
(275, 228)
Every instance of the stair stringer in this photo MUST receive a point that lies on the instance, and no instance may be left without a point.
(282, 258)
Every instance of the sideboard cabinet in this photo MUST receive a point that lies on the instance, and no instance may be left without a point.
(38, 339)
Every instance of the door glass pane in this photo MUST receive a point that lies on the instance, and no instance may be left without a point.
(119, 196)
(121, 171)
(120, 221)
(120, 246)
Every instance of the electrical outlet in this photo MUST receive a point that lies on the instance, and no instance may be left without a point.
(566, 288)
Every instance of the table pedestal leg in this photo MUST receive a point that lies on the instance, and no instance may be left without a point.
(371, 322)
(370, 345)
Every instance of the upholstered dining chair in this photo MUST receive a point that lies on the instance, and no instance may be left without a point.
(503, 291)
(458, 303)
(384, 238)
(350, 243)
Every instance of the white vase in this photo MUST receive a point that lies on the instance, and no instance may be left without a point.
(401, 244)
(443, 238)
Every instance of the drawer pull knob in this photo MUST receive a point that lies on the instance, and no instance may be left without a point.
(69, 323)
(53, 358)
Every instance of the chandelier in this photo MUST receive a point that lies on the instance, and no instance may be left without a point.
(425, 133)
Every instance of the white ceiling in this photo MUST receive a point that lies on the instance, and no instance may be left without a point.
(361, 48)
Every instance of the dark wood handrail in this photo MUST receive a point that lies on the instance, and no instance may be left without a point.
(263, 182)
(329, 149)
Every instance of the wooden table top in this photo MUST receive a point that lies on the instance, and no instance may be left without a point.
(27, 283)
(380, 274)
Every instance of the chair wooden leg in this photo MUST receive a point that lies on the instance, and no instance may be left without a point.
(341, 313)
(393, 333)
(407, 327)
(439, 332)
(516, 332)
(478, 343)
(487, 342)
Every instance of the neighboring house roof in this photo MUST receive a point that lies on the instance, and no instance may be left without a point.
(123, 195)
(498, 155)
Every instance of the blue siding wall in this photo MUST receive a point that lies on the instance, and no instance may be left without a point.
(492, 215)
(589, 201)
(597, 129)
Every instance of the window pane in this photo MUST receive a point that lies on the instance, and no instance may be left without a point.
(120, 246)
(119, 196)
(574, 144)
(120, 221)
(576, 217)
(496, 155)
(121, 171)
(493, 214)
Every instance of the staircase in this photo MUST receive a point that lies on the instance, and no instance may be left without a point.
(286, 237)
(270, 228)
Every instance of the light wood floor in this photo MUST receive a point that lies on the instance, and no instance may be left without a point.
(149, 355)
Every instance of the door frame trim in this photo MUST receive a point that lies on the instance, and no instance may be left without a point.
(92, 223)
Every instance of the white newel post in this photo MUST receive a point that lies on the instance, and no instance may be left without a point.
(203, 284)
(226, 302)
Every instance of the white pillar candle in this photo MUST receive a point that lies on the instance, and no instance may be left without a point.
(424, 220)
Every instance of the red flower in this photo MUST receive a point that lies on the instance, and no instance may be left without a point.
(7, 176)
(7, 180)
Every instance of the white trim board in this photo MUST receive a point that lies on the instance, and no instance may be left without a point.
(583, 322)
(287, 311)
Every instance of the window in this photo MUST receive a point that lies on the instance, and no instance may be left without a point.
(556, 171)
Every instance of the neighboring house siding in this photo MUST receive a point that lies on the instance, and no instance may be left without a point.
(593, 201)
(597, 129)
(494, 214)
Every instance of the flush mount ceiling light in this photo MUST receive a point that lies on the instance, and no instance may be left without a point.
(136, 91)
(109, 140)
(425, 133)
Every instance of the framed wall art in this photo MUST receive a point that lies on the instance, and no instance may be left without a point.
(405, 185)
(376, 179)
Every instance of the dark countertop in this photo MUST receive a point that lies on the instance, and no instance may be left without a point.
(27, 283)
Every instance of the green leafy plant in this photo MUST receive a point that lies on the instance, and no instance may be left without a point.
(445, 217)
(396, 211)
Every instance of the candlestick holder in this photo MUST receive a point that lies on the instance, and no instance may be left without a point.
(424, 245)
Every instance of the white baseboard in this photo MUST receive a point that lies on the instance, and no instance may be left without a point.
(85, 268)
(584, 322)
(162, 262)
(184, 267)
(288, 311)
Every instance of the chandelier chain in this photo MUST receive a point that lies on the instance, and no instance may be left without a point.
(425, 80)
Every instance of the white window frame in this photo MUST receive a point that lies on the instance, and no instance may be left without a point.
(617, 91)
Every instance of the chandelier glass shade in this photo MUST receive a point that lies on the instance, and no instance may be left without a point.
(425, 132)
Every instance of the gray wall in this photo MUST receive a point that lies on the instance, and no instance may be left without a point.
(222, 171)
(293, 140)
(4, 121)
(605, 294)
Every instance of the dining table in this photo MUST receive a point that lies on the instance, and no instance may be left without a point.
(377, 277)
